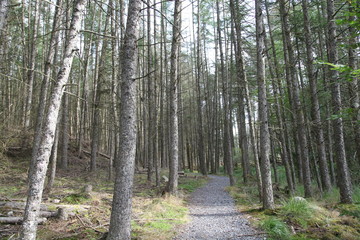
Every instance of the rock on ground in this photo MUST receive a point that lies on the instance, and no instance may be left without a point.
(213, 215)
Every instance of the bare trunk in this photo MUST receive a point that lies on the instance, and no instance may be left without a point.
(344, 180)
(31, 66)
(228, 160)
(120, 226)
(294, 88)
(46, 78)
(41, 158)
(267, 192)
(3, 14)
(174, 77)
(324, 169)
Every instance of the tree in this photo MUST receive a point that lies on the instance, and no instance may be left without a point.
(41, 158)
(344, 180)
(4, 8)
(174, 77)
(228, 158)
(267, 191)
(120, 226)
(293, 87)
(324, 169)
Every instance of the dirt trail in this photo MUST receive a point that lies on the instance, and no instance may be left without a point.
(213, 215)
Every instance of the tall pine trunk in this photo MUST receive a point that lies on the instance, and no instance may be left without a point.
(344, 181)
(174, 75)
(267, 191)
(41, 158)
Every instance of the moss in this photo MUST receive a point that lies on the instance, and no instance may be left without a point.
(76, 198)
(344, 232)
(350, 210)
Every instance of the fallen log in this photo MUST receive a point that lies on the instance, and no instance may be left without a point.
(19, 205)
(18, 220)
(45, 214)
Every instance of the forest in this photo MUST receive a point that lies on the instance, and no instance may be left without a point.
(119, 108)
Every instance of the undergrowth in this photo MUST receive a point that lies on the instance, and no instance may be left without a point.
(155, 216)
(296, 218)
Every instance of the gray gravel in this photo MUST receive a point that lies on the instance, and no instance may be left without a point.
(213, 215)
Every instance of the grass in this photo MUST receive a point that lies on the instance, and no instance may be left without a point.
(191, 184)
(298, 211)
(321, 217)
(157, 218)
(275, 228)
(76, 198)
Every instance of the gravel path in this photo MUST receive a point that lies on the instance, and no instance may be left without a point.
(213, 215)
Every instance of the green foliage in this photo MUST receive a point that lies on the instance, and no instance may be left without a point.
(76, 198)
(297, 210)
(347, 72)
(275, 228)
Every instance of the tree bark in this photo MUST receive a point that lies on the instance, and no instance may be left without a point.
(354, 84)
(294, 88)
(268, 197)
(120, 226)
(36, 181)
(174, 75)
(4, 9)
(344, 180)
(31, 65)
(228, 160)
(46, 79)
(324, 169)
(242, 81)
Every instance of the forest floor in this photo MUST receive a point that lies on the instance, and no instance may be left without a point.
(295, 218)
(213, 215)
(155, 215)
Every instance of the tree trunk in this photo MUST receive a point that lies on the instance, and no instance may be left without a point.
(120, 226)
(53, 162)
(277, 92)
(4, 9)
(242, 81)
(41, 158)
(294, 88)
(65, 133)
(324, 169)
(46, 79)
(344, 180)
(31, 65)
(268, 197)
(354, 84)
(174, 77)
(228, 160)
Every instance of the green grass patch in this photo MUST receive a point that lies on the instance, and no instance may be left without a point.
(76, 198)
(276, 229)
(189, 184)
(297, 210)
